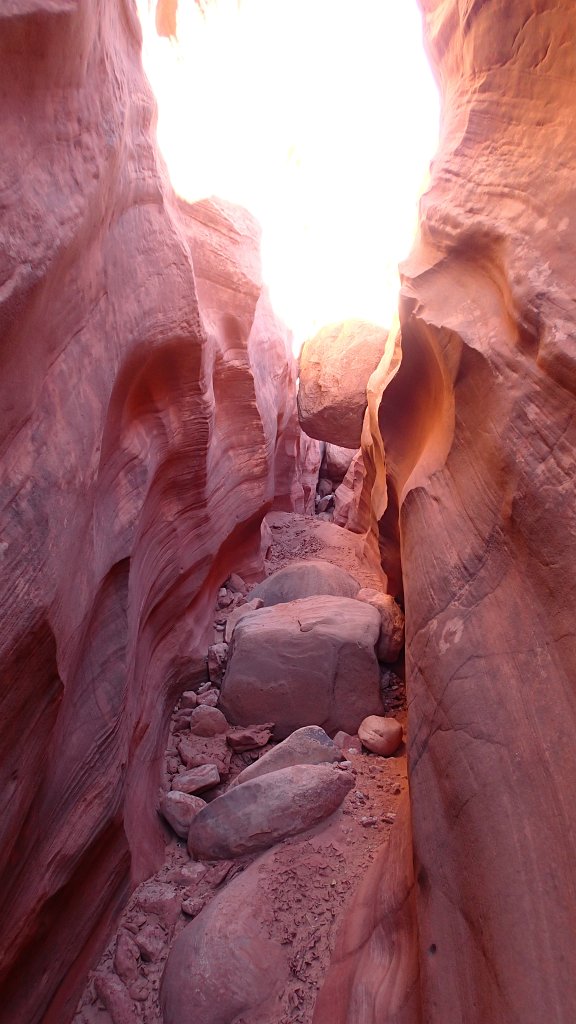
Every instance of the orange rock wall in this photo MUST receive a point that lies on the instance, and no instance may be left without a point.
(479, 440)
(146, 402)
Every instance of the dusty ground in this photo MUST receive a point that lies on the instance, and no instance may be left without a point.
(308, 881)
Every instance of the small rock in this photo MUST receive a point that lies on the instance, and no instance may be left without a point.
(368, 822)
(187, 874)
(381, 735)
(115, 998)
(389, 818)
(199, 750)
(325, 487)
(188, 700)
(151, 941)
(172, 765)
(139, 990)
(236, 583)
(250, 738)
(209, 698)
(224, 598)
(207, 721)
(160, 899)
(179, 808)
(239, 613)
(217, 658)
(181, 720)
(195, 780)
(324, 504)
(126, 957)
(195, 904)
(344, 741)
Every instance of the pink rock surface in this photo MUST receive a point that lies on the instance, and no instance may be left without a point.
(207, 721)
(479, 440)
(309, 662)
(139, 441)
(380, 735)
(267, 809)
(335, 367)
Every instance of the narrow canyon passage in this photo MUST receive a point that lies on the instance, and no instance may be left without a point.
(287, 647)
(269, 921)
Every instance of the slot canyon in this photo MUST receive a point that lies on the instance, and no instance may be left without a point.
(286, 643)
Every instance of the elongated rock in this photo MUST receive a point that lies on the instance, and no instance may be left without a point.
(310, 745)
(265, 810)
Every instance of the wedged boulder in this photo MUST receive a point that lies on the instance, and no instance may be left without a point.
(263, 811)
(310, 745)
(391, 639)
(335, 367)
(305, 579)
(179, 809)
(309, 662)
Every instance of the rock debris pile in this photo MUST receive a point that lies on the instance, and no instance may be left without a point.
(296, 660)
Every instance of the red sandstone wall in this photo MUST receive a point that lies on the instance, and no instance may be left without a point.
(479, 435)
(140, 441)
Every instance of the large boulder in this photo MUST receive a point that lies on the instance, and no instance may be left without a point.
(309, 662)
(310, 745)
(263, 811)
(305, 579)
(225, 966)
(335, 367)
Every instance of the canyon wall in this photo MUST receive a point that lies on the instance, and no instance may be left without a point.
(148, 418)
(479, 438)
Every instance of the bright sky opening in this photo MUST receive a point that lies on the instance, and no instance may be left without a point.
(321, 117)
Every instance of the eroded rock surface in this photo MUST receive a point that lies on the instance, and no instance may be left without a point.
(131, 482)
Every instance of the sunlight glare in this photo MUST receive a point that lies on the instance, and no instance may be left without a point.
(321, 117)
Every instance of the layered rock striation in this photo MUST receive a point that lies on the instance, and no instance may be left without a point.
(148, 419)
(479, 438)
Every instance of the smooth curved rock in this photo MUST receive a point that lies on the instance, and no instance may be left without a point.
(391, 639)
(310, 662)
(225, 966)
(305, 579)
(335, 367)
(380, 735)
(265, 810)
(310, 745)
